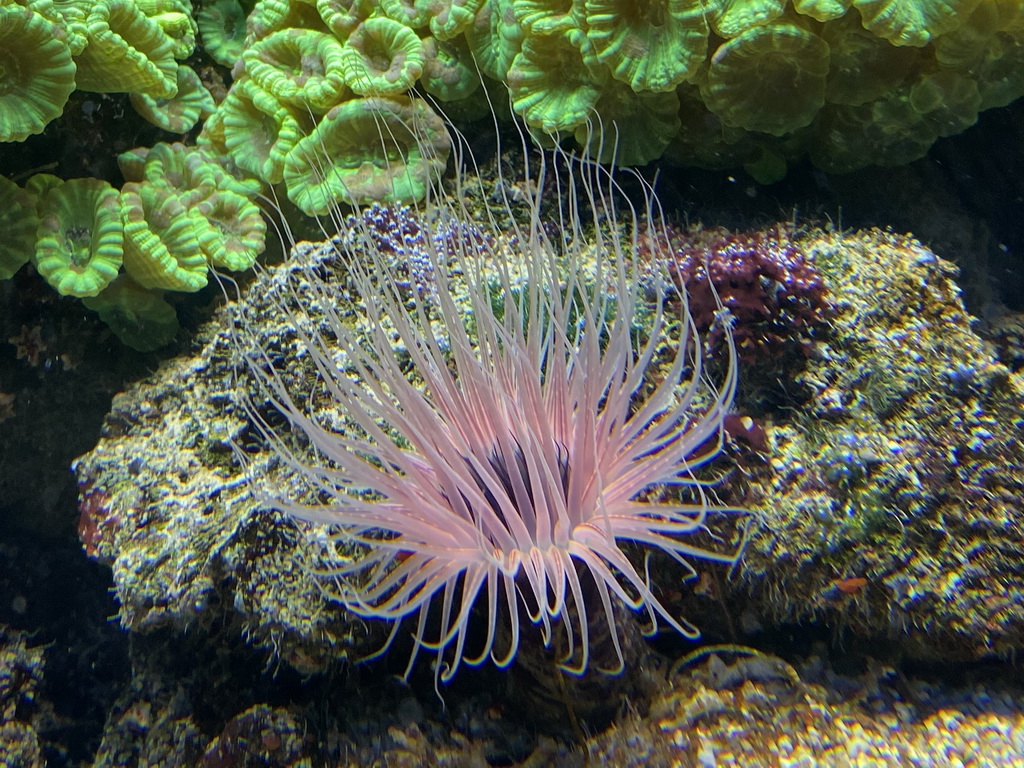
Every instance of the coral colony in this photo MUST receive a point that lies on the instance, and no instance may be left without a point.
(873, 82)
(775, 295)
(509, 407)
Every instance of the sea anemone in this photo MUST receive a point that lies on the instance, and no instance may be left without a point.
(506, 411)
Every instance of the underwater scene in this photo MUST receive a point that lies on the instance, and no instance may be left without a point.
(511, 383)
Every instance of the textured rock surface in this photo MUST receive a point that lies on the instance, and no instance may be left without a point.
(889, 485)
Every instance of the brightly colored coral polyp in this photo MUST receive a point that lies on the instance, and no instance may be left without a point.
(160, 249)
(180, 113)
(298, 67)
(37, 73)
(127, 52)
(259, 131)
(652, 46)
(382, 58)
(770, 78)
(553, 81)
(222, 28)
(80, 237)
(913, 22)
(230, 229)
(367, 150)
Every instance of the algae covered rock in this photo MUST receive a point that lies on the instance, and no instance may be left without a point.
(889, 486)
(893, 494)
(166, 504)
(21, 677)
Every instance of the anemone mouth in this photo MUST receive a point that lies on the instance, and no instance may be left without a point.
(487, 408)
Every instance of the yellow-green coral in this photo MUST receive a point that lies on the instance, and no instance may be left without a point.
(731, 17)
(448, 70)
(184, 169)
(175, 19)
(787, 63)
(555, 81)
(382, 58)
(366, 150)
(160, 247)
(849, 82)
(270, 16)
(495, 37)
(298, 67)
(547, 16)
(259, 131)
(651, 46)
(181, 112)
(343, 16)
(449, 18)
(80, 237)
(37, 73)
(127, 52)
(913, 22)
(230, 229)
(822, 10)
(409, 13)
(18, 221)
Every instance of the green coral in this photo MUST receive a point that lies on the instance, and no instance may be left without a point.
(37, 73)
(913, 22)
(847, 82)
(382, 58)
(790, 65)
(651, 46)
(230, 229)
(222, 29)
(18, 221)
(127, 52)
(80, 237)
(140, 318)
(780, 79)
(553, 81)
(448, 70)
(298, 67)
(730, 18)
(161, 249)
(181, 112)
(366, 150)
(259, 131)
